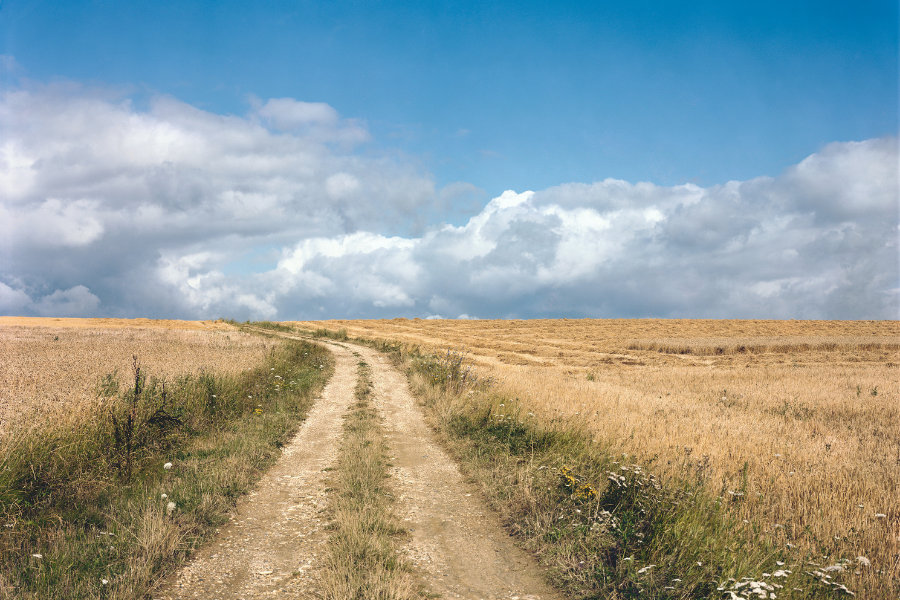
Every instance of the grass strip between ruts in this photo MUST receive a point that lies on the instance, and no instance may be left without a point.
(362, 560)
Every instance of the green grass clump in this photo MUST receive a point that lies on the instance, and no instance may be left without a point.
(270, 325)
(105, 503)
(339, 334)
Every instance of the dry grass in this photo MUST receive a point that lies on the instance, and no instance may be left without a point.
(362, 559)
(53, 364)
(799, 431)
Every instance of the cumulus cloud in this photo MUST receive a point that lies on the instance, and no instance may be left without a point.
(171, 211)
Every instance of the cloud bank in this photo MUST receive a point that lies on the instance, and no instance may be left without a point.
(107, 209)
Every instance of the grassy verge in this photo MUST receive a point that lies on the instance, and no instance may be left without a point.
(104, 503)
(604, 525)
(362, 560)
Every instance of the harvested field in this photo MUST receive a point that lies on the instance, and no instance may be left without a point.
(795, 424)
(52, 364)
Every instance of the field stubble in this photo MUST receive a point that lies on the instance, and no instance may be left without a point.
(53, 367)
(794, 424)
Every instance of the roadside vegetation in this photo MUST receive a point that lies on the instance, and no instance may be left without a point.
(604, 522)
(609, 523)
(794, 425)
(362, 560)
(103, 501)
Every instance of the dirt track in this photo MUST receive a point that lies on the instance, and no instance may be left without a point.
(271, 547)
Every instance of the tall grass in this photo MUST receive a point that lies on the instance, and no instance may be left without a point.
(610, 524)
(102, 502)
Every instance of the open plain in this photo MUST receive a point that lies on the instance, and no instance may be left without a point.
(794, 424)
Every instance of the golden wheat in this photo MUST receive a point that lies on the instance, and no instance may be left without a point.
(49, 365)
(796, 424)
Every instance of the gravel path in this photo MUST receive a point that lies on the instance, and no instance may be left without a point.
(271, 547)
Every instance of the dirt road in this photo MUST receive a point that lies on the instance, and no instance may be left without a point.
(271, 547)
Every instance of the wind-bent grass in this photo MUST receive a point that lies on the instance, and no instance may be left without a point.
(76, 523)
(799, 431)
(362, 561)
(606, 523)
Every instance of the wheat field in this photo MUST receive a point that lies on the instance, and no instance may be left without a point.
(795, 424)
(53, 366)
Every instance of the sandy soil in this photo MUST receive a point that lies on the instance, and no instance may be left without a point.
(272, 547)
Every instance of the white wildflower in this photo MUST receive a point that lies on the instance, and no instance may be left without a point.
(645, 569)
(104, 581)
(38, 555)
(164, 496)
(863, 561)
(167, 466)
(170, 508)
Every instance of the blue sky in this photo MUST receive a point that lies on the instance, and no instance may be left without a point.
(403, 116)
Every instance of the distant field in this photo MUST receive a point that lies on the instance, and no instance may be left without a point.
(795, 423)
(52, 364)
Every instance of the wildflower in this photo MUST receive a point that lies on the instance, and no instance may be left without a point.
(164, 496)
(645, 569)
(104, 581)
(863, 561)
(38, 555)
(167, 466)
(880, 516)
(170, 508)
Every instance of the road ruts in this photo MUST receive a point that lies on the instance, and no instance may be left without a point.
(273, 545)
(457, 544)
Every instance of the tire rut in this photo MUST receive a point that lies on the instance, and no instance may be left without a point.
(275, 542)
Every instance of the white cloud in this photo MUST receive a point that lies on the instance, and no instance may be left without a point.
(106, 209)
